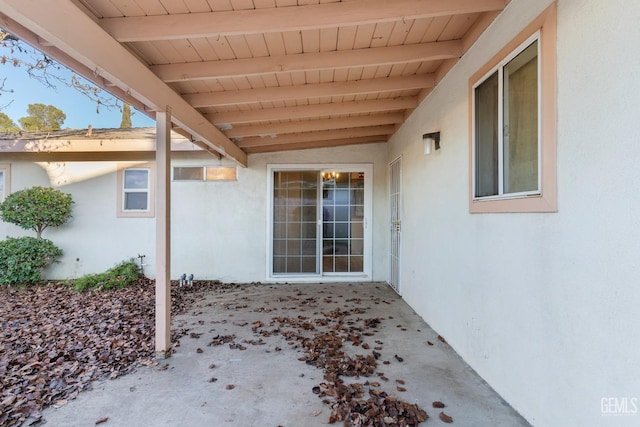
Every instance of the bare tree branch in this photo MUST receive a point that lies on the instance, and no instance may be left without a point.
(4, 90)
(38, 66)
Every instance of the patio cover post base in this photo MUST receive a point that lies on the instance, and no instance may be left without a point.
(161, 355)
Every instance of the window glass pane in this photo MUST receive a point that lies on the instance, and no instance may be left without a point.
(342, 197)
(309, 230)
(294, 246)
(136, 178)
(310, 196)
(357, 247)
(521, 122)
(294, 265)
(341, 264)
(486, 144)
(342, 213)
(327, 263)
(356, 264)
(135, 201)
(309, 264)
(195, 173)
(341, 247)
(357, 229)
(294, 230)
(294, 213)
(2, 190)
(279, 247)
(279, 213)
(309, 214)
(220, 173)
(308, 247)
(342, 230)
(279, 263)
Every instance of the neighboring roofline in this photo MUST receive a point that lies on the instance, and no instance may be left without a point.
(88, 145)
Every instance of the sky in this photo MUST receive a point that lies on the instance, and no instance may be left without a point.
(80, 110)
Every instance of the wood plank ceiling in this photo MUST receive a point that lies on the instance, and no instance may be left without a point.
(277, 75)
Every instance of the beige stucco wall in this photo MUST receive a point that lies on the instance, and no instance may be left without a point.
(219, 229)
(543, 306)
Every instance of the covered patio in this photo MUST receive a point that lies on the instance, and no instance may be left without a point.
(244, 360)
(238, 78)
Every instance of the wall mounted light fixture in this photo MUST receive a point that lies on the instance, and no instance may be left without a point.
(431, 138)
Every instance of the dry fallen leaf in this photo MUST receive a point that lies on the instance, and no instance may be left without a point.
(441, 339)
(230, 387)
(445, 418)
(438, 404)
(60, 403)
(102, 420)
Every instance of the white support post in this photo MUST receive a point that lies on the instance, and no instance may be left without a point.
(163, 234)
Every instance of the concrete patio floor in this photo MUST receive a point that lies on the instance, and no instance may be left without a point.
(262, 382)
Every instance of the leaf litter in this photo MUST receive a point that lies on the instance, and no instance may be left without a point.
(106, 335)
(54, 342)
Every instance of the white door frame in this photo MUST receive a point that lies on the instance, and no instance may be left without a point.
(367, 273)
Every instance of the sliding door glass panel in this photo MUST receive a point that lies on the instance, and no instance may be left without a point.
(295, 213)
(342, 222)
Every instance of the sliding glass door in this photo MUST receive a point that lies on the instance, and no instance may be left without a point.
(319, 221)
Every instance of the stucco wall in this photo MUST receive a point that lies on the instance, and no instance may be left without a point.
(543, 306)
(219, 229)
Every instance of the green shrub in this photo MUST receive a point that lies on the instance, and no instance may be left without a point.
(22, 259)
(124, 274)
(37, 208)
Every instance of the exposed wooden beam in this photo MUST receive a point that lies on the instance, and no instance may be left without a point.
(314, 90)
(318, 144)
(316, 110)
(87, 43)
(294, 18)
(468, 40)
(314, 125)
(309, 61)
(327, 135)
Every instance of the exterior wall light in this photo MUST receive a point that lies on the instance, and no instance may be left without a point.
(431, 138)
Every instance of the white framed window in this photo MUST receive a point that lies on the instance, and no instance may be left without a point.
(5, 181)
(135, 191)
(513, 124)
(506, 126)
(204, 173)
